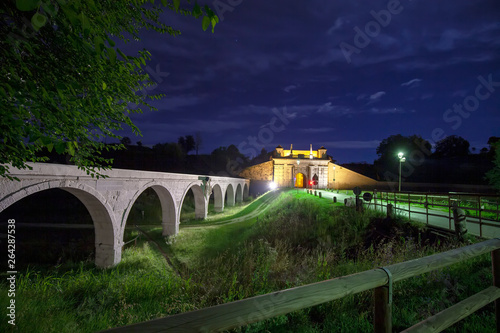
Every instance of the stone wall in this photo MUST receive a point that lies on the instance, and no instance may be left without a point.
(346, 179)
(263, 171)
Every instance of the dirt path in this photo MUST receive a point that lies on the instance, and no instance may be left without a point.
(262, 208)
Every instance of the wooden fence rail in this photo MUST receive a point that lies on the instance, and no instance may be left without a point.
(470, 202)
(254, 309)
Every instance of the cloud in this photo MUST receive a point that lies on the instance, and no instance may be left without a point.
(336, 110)
(339, 22)
(290, 88)
(386, 110)
(374, 98)
(317, 130)
(327, 107)
(377, 95)
(178, 102)
(353, 144)
(447, 40)
(412, 83)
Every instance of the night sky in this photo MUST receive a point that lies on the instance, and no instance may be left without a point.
(342, 74)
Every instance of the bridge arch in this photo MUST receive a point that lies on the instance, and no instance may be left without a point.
(245, 191)
(239, 193)
(229, 195)
(107, 246)
(200, 202)
(218, 198)
(169, 223)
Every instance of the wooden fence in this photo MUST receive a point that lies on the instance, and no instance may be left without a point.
(254, 309)
(481, 209)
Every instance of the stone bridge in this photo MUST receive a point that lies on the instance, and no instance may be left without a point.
(109, 200)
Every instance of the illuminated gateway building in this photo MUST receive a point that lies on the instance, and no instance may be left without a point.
(305, 168)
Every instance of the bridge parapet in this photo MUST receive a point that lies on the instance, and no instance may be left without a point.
(109, 200)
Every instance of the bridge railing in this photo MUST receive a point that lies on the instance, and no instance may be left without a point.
(254, 309)
(480, 209)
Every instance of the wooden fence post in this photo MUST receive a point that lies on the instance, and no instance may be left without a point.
(459, 219)
(495, 267)
(382, 311)
(389, 210)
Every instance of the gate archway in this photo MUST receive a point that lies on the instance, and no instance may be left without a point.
(300, 180)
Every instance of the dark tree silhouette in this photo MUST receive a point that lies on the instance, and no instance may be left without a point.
(198, 142)
(452, 146)
(126, 141)
(414, 147)
(493, 175)
(187, 143)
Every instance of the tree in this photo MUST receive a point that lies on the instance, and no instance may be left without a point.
(389, 148)
(228, 161)
(65, 85)
(198, 142)
(493, 175)
(126, 141)
(187, 143)
(413, 147)
(492, 141)
(170, 156)
(452, 146)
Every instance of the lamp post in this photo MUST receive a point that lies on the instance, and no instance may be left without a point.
(401, 160)
(334, 177)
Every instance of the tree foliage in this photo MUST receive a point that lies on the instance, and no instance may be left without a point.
(229, 160)
(452, 146)
(198, 141)
(493, 175)
(389, 148)
(187, 143)
(65, 85)
(413, 147)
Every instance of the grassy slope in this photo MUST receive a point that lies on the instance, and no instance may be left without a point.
(300, 240)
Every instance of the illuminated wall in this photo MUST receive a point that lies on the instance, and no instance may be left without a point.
(306, 153)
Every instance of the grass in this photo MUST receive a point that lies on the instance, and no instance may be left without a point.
(300, 239)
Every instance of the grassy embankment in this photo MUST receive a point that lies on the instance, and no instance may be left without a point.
(299, 240)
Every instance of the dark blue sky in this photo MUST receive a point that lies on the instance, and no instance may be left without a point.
(343, 74)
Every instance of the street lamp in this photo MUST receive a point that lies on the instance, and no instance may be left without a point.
(401, 160)
(334, 177)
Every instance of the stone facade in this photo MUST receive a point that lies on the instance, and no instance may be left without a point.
(306, 168)
(262, 171)
(341, 178)
(287, 170)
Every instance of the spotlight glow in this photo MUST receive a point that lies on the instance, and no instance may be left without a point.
(272, 186)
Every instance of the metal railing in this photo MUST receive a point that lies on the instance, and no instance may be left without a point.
(255, 309)
(480, 209)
